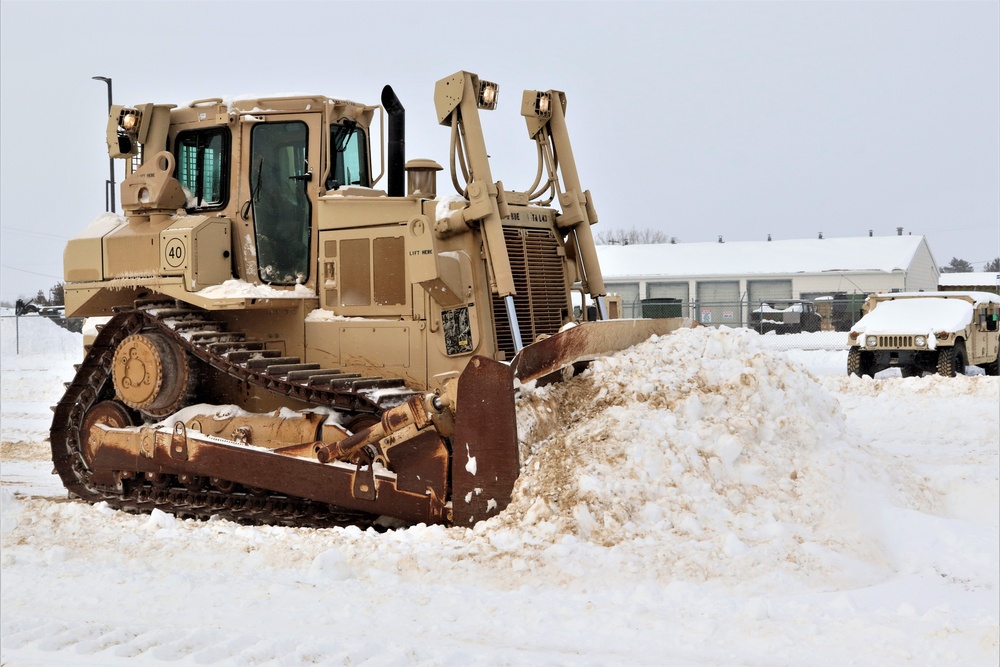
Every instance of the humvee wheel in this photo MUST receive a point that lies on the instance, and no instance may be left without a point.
(150, 374)
(105, 413)
(951, 360)
(993, 368)
(859, 363)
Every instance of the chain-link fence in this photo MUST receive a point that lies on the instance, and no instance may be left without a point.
(10, 325)
(818, 324)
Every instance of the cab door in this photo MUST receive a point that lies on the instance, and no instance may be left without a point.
(284, 169)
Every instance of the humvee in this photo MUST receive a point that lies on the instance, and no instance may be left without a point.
(926, 332)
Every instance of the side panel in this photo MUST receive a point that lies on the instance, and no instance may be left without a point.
(133, 250)
(363, 272)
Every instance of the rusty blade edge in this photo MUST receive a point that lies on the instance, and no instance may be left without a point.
(588, 341)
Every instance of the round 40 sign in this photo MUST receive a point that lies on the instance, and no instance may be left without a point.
(175, 252)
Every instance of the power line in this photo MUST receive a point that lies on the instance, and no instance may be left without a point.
(33, 233)
(34, 273)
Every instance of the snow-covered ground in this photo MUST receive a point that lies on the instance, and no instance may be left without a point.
(699, 499)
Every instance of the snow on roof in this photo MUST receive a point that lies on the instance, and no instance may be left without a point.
(974, 279)
(975, 297)
(917, 317)
(878, 253)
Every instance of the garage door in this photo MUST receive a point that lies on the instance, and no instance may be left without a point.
(765, 291)
(679, 291)
(719, 303)
(630, 297)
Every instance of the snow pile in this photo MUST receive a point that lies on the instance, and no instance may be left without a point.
(37, 358)
(240, 289)
(699, 450)
(33, 335)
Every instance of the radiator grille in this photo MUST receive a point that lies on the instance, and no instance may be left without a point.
(895, 341)
(541, 302)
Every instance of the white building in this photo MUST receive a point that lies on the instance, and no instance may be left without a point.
(979, 281)
(719, 283)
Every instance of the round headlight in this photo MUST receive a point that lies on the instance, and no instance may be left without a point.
(871, 341)
(920, 341)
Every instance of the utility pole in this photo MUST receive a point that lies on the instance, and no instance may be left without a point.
(109, 192)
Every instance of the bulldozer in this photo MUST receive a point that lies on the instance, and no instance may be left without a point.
(283, 342)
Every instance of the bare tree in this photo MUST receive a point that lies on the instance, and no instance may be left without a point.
(633, 236)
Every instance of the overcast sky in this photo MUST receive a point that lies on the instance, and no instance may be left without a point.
(698, 118)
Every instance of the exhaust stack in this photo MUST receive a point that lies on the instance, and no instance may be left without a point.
(396, 152)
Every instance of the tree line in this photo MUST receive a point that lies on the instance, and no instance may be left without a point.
(957, 265)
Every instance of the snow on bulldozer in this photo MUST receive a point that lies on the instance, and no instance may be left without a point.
(284, 343)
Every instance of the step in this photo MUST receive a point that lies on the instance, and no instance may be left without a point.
(234, 346)
(348, 383)
(378, 383)
(258, 364)
(170, 311)
(156, 301)
(243, 356)
(203, 325)
(204, 337)
(319, 380)
(284, 369)
(298, 376)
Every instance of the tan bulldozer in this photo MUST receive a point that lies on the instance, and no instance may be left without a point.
(284, 343)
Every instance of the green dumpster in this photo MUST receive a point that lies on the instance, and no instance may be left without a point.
(662, 307)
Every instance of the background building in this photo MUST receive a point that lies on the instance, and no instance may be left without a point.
(721, 283)
(977, 282)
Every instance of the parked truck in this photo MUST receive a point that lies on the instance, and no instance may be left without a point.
(926, 332)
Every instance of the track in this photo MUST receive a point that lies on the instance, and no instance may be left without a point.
(206, 342)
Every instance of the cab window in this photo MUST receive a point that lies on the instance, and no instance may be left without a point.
(203, 167)
(349, 148)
